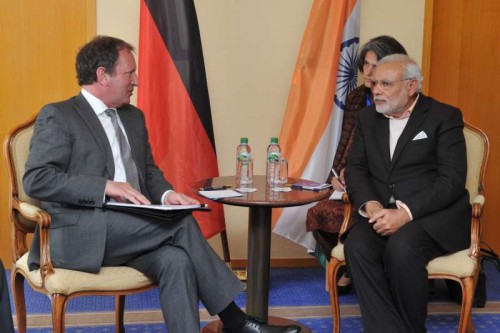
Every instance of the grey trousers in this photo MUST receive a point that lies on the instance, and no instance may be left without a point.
(177, 256)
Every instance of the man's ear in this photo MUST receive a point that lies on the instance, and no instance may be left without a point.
(102, 76)
(412, 87)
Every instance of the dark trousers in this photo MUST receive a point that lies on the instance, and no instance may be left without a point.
(390, 276)
(6, 325)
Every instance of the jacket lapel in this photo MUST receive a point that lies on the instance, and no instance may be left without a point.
(382, 133)
(95, 127)
(416, 119)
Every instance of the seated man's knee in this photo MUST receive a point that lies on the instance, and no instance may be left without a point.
(355, 245)
(171, 259)
(399, 251)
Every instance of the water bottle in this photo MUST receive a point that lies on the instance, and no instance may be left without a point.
(273, 157)
(244, 164)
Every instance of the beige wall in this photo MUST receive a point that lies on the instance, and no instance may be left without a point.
(250, 50)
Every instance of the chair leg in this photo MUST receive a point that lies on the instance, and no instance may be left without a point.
(17, 282)
(119, 313)
(465, 325)
(333, 268)
(58, 309)
(225, 246)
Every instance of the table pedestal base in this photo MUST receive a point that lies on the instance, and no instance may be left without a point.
(216, 326)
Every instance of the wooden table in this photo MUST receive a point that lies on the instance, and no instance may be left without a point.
(260, 205)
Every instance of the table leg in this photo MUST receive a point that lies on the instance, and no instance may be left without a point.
(259, 259)
(259, 253)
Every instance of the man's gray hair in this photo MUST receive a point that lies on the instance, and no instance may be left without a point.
(412, 70)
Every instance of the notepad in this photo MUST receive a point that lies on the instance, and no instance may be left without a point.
(305, 182)
(214, 195)
(317, 187)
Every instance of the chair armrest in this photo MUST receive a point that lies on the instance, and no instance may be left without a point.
(43, 219)
(347, 214)
(475, 234)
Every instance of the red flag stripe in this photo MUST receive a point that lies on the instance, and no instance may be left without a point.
(178, 138)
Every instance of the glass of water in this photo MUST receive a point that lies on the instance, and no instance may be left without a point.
(281, 173)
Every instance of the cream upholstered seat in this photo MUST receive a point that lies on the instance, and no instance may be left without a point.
(462, 266)
(59, 284)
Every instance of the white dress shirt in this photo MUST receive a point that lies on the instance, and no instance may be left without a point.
(99, 108)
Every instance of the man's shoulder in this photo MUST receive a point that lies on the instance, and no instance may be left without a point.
(368, 112)
(71, 102)
(433, 104)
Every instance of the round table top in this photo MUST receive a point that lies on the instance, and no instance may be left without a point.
(264, 196)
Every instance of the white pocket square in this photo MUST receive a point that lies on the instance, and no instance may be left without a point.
(420, 136)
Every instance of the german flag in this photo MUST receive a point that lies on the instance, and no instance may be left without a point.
(173, 94)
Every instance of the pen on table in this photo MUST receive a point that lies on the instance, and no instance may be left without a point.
(338, 178)
(210, 188)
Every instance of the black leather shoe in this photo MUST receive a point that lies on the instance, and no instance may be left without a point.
(343, 289)
(253, 325)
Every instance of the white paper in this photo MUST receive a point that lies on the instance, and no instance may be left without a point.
(337, 195)
(220, 194)
(281, 189)
(246, 189)
(156, 207)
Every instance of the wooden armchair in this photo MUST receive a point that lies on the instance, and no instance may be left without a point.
(462, 266)
(59, 284)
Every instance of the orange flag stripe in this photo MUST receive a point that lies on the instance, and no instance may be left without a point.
(310, 100)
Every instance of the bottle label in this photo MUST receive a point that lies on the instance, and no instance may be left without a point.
(273, 157)
(244, 169)
(244, 155)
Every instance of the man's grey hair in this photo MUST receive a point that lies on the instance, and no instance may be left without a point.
(412, 70)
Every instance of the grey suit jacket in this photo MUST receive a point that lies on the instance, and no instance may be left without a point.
(69, 163)
(426, 174)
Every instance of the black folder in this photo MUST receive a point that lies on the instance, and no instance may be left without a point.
(163, 212)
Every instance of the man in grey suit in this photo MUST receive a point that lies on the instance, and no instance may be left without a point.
(94, 147)
(406, 176)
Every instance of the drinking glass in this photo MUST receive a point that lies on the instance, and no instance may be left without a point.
(281, 173)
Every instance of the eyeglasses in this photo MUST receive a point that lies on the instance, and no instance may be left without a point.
(385, 84)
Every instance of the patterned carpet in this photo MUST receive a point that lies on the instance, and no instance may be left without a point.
(298, 294)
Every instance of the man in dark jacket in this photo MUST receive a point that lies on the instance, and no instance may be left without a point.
(406, 177)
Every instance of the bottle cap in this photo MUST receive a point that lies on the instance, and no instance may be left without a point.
(244, 140)
(274, 140)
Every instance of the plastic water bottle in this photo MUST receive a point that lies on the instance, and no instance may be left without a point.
(273, 156)
(244, 164)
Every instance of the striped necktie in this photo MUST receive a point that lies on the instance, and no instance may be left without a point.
(128, 162)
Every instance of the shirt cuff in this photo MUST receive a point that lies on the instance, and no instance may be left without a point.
(400, 204)
(362, 210)
(165, 195)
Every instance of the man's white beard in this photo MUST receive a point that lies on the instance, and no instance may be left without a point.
(382, 109)
(389, 107)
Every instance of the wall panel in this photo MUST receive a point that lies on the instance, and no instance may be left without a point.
(38, 43)
(461, 43)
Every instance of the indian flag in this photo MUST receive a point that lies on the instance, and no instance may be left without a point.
(325, 73)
